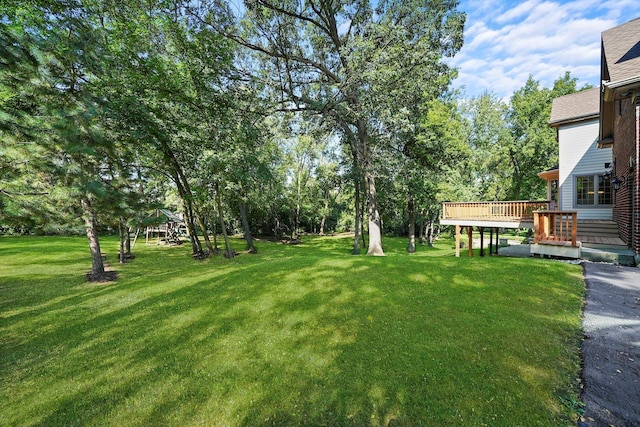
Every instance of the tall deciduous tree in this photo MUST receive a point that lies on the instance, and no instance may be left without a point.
(438, 147)
(533, 146)
(170, 94)
(487, 136)
(511, 143)
(351, 64)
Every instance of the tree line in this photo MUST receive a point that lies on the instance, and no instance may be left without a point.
(269, 117)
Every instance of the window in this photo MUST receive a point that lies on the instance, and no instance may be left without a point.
(593, 190)
(604, 189)
(584, 188)
(554, 191)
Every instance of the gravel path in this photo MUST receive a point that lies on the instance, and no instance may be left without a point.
(611, 348)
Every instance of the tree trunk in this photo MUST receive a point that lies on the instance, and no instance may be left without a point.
(431, 234)
(375, 225)
(421, 230)
(97, 266)
(296, 221)
(277, 230)
(121, 228)
(184, 191)
(411, 248)
(127, 241)
(322, 221)
(203, 227)
(228, 253)
(356, 239)
(187, 212)
(215, 237)
(363, 208)
(196, 247)
(362, 156)
(325, 212)
(245, 226)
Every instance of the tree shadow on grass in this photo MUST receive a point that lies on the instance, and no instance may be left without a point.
(300, 339)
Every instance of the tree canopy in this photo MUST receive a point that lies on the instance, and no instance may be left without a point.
(277, 118)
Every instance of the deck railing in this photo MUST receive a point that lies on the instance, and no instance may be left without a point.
(555, 227)
(492, 211)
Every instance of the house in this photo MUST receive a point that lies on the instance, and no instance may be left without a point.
(582, 181)
(578, 211)
(619, 125)
(593, 195)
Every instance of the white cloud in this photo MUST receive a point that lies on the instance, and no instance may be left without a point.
(516, 12)
(505, 42)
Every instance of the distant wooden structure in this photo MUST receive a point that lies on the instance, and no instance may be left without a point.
(166, 227)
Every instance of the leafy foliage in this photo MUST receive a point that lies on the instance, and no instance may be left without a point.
(511, 143)
(125, 106)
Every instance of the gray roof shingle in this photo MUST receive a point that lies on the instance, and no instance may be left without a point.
(576, 106)
(621, 47)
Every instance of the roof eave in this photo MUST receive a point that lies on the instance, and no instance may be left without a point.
(604, 142)
(610, 92)
(611, 89)
(549, 175)
(573, 120)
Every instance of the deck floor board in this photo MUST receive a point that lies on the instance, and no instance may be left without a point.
(602, 240)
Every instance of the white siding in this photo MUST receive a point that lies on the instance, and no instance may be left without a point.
(580, 156)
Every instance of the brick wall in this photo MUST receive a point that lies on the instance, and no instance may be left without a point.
(636, 186)
(623, 150)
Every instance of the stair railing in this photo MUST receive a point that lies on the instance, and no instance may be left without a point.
(555, 227)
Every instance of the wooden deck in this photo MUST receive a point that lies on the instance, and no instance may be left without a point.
(489, 215)
(514, 211)
(557, 233)
(551, 228)
(515, 214)
(555, 242)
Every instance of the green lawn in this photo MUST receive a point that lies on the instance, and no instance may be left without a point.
(295, 335)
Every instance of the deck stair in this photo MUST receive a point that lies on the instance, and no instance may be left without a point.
(597, 241)
(599, 232)
(601, 243)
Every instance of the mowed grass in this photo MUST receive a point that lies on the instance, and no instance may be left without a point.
(295, 335)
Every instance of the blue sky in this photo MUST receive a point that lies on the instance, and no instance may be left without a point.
(505, 41)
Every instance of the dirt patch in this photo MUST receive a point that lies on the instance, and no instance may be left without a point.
(201, 256)
(107, 276)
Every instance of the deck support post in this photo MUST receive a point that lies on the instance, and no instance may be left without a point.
(491, 241)
(481, 241)
(457, 241)
(497, 239)
(574, 230)
(470, 235)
